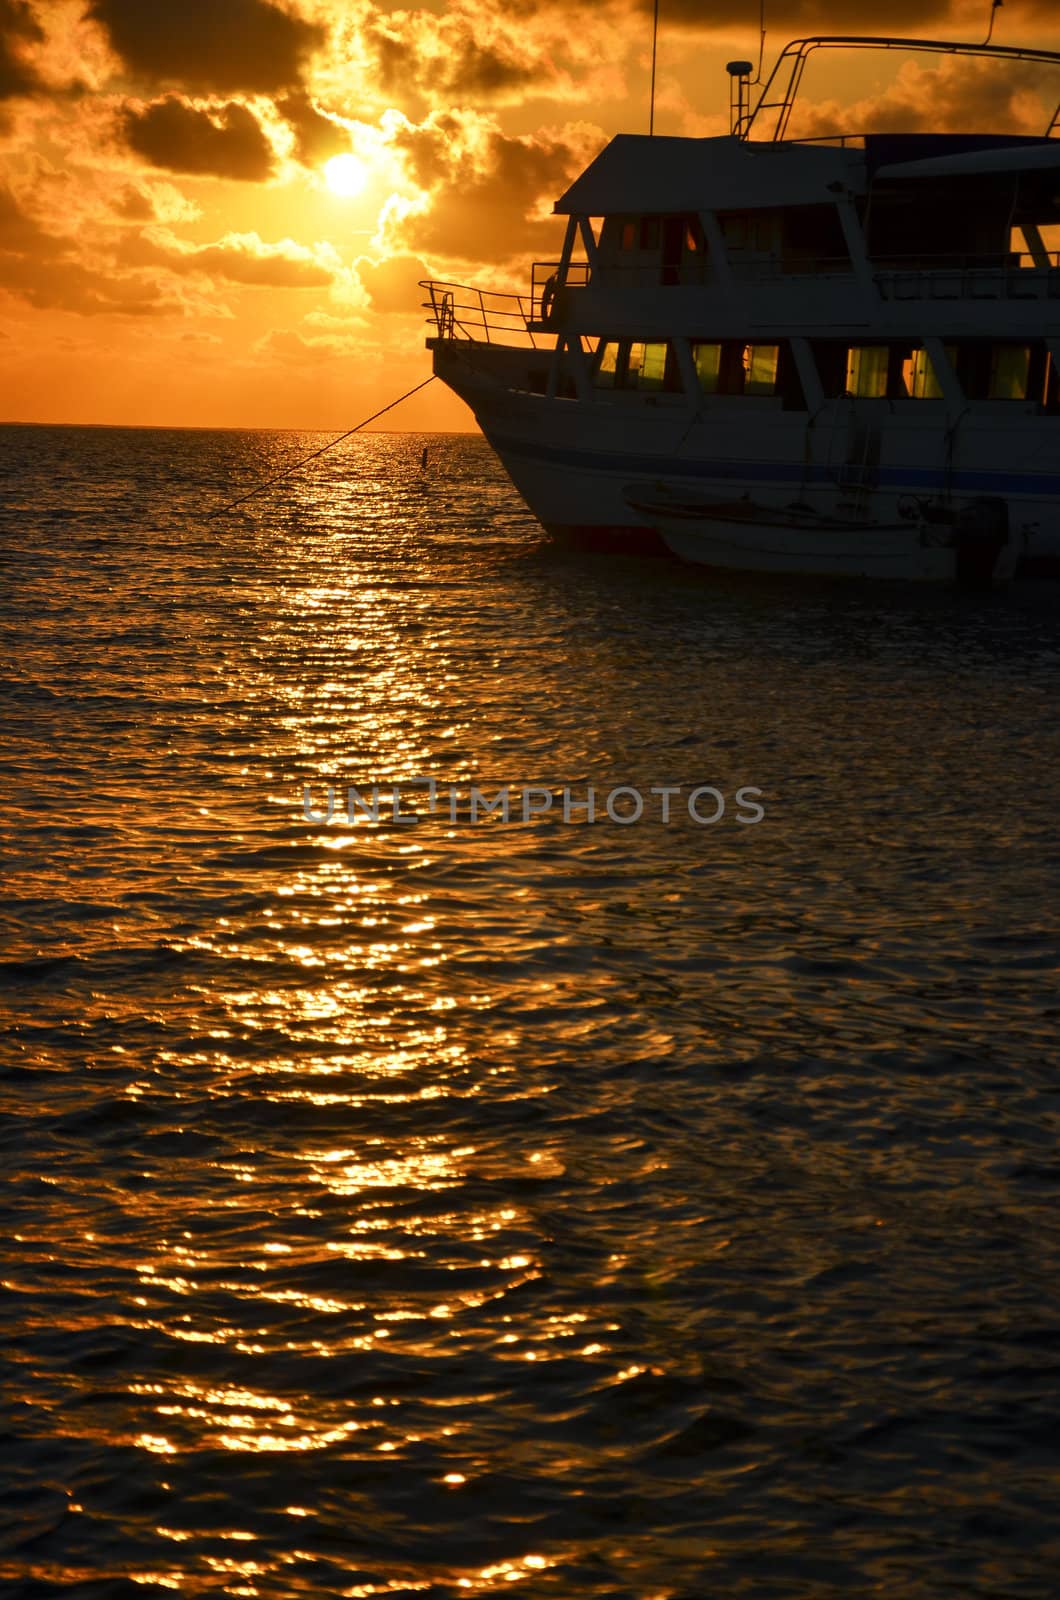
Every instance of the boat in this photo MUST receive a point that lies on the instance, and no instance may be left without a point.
(974, 550)
(867, 325)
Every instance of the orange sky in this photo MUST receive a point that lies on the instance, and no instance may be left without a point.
(175, 249)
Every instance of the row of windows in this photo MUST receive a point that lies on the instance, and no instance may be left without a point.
(651, 233)
(984, 372)
(868, 371)
(723, 368)
(796, 230)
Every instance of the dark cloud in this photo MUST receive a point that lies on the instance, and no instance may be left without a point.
(223, 46)
(957, 94)
(393, 284)
(316, 136)
(796, 18)
(40, 267)
(484, 186)
(225, 143)
(18, 28)
(135, 206)
(18, 232)
(443, 56)
(275, 268)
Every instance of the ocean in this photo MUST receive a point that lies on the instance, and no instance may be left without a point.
(474, 1193)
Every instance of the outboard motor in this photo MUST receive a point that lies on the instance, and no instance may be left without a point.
(979, 536)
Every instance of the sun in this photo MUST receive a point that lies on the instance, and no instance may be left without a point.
(345, 176)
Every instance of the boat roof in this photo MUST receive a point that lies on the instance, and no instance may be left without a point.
(638, 173)
(957, 155)
(643, 173)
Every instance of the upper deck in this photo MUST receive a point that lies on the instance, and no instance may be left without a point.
(882, 234)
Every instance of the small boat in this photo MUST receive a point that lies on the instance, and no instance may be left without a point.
(971, 546)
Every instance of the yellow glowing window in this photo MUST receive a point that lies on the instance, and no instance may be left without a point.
(647, 366)
(1010, 366)
(607, 367)
(761, 366)
(918, 376)
(867, 371)
(707, 359)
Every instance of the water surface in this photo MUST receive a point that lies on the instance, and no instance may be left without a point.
(589, 1209)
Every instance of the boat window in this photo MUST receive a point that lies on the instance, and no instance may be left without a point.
(606, 374)
(812, 236)
(760, 365)
(919, 378)
(646, 367)
(734, 231)
(867, 366)
(707, 361)
(1009, 372)
(627, 239)
(649, 233)
(694, 240)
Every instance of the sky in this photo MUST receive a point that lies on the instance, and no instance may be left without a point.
(216, 213)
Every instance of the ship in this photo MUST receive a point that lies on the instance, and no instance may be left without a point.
(853, 331)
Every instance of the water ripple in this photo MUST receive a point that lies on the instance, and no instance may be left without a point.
(459, 1208)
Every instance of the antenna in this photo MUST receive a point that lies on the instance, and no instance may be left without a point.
(654, 42)
(762, 39)
(994, 7)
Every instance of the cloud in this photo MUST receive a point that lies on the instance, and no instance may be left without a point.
(135, 206)
(443, 56)
(797, 18)
(316, 137)
(39, 267)
(18, 231)
(243, 258)
(482, 51)
(958, 94)
(218, 46)
(286, 345)
(393, 284)
(487, 194)
(227, 142)
(18, 28)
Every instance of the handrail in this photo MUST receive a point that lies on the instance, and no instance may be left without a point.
(462, 311)
(797, 52)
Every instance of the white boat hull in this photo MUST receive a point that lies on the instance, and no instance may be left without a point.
(573, 462)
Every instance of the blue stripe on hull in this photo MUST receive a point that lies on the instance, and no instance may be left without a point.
(1039, 484)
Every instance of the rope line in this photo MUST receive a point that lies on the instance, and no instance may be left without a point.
(267, 483)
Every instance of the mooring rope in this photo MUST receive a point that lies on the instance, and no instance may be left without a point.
(267, 483)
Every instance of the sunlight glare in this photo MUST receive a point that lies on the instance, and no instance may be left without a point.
(345, 176)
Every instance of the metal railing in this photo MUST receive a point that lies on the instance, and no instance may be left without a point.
(968, 283)
(459, 311)
(780, 94)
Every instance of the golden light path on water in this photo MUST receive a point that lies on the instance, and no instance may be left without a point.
(455, 1207)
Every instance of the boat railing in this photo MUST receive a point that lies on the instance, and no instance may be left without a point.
(781, 90)
(459, 311)
(1017, 276)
